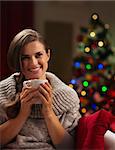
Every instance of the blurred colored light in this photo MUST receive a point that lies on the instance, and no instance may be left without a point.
(87, 49)
(88, 66)
(92, 34)
(104, 88)
(77, 64)
(71, 85)
(83, 93)
(88, 77)
(85, 83)
(73, 81)
(94, 106)
(95, 16)
(100, 43)
(83, 110)
(107, 26)
(100, 66)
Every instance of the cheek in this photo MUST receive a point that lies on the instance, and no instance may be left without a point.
(46, 62)
(46, 59)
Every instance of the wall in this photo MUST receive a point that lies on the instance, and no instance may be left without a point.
(15, 16)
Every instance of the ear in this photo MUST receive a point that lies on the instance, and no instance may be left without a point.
(48, 54)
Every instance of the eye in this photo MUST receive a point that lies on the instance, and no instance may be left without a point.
(25, 57)
(38, 55)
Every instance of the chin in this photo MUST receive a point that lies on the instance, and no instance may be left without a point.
(34, 75)
(29, 77)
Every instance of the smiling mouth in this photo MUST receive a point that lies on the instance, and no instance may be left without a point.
(35, 69)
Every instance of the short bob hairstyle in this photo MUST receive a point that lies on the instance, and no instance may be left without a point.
(19, 41)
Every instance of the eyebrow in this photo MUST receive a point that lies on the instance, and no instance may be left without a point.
(23, 55)
(33, 54)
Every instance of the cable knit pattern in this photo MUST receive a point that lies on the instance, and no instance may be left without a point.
(65, 105)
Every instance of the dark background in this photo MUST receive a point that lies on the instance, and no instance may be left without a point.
(15, 16)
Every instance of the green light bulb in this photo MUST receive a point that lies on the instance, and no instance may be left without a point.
(85, 83)
(88, 66)
(104, 88)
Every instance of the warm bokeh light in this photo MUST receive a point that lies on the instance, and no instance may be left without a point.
(95, 16)
(71, 85)
(100, 43)
(83, 110)
(92, 34)
(83, 93)
(87, 49)
(107, 26)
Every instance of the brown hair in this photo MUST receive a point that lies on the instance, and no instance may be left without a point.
(19, 41)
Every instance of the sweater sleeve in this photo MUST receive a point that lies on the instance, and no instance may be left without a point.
(66, 102)
(7, 92)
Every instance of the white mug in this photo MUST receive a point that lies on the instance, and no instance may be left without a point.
(34, 84)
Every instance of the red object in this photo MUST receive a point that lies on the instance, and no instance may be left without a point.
(111, 93)
(112, 126)
(95, 78)
(91, 130)
(94, 45)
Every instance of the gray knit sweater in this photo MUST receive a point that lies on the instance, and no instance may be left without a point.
(34, 134)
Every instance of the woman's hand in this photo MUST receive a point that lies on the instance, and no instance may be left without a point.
(31, 96)
(27, 98)
(45, 95)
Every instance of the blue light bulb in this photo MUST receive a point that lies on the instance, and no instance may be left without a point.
(77, 64)
(100, 66)
(73, 81)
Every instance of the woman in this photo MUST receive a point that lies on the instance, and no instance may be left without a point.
(29, 125)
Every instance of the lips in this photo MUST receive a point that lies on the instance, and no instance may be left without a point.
(34, 70)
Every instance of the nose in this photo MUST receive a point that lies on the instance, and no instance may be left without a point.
(34, 61)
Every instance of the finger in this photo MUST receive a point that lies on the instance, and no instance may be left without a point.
(29, 95)
(34, 100)
(42, 98)
(47, 87)
(48, 84)
(26, 92)
(44, 92)
(23, 93)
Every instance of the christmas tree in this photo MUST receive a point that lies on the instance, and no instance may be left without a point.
(93, 75)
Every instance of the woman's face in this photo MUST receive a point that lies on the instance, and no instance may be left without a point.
(34, 60)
